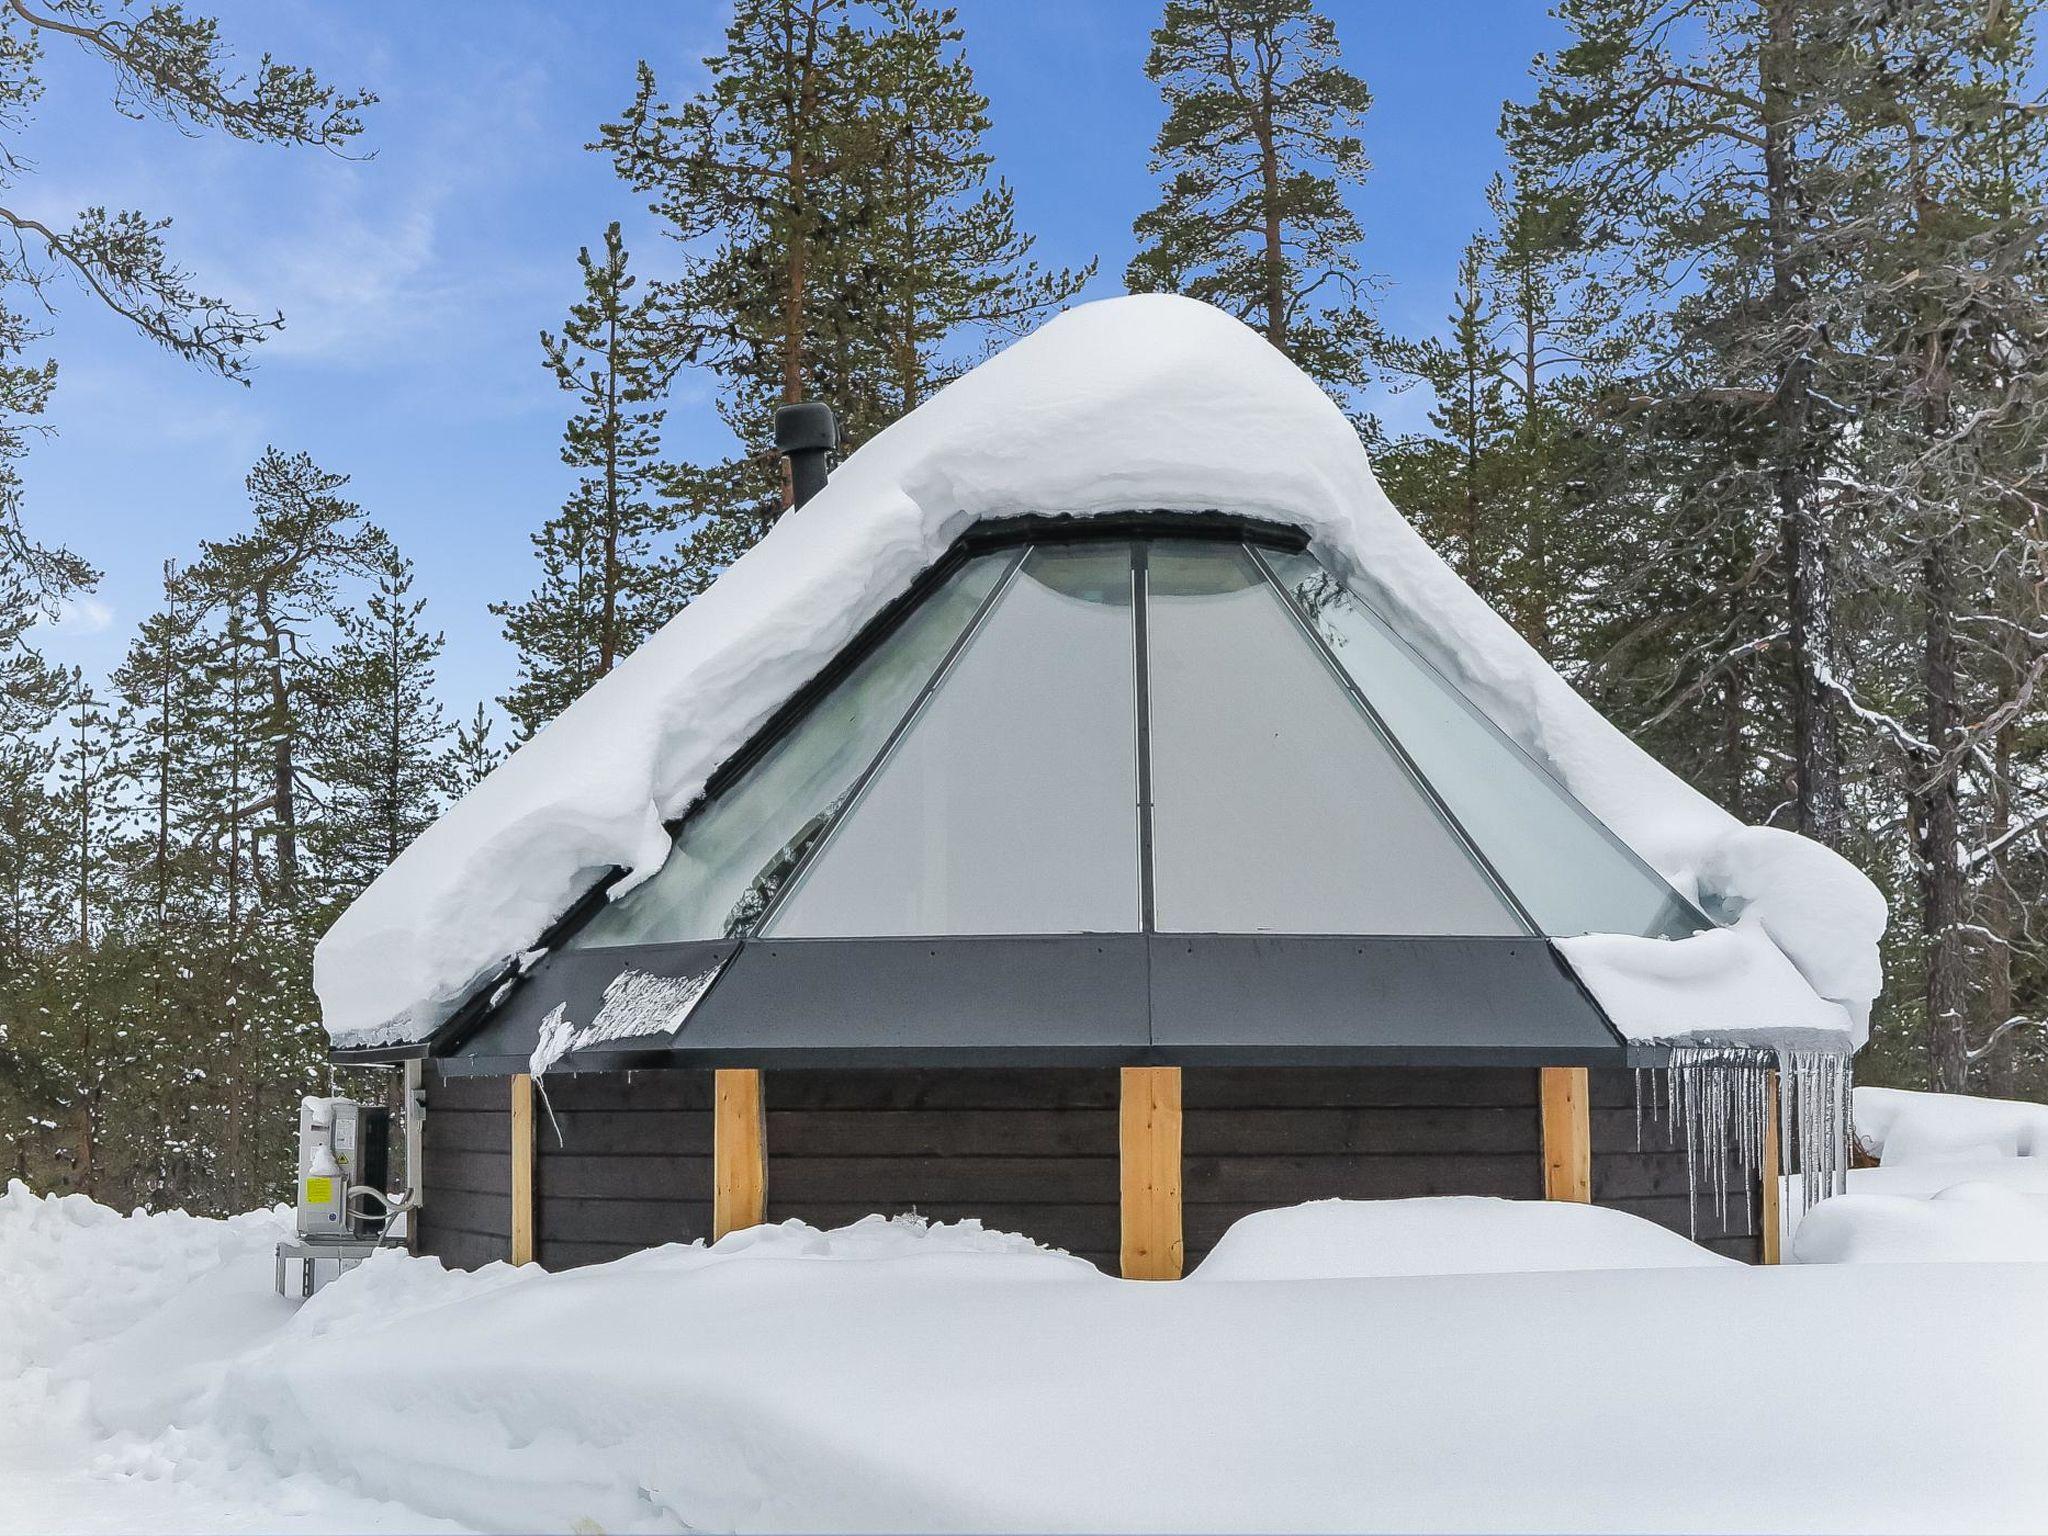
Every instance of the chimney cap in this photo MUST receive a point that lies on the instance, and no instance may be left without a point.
(806, 428)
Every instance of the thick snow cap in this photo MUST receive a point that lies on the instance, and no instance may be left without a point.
(1156, 403)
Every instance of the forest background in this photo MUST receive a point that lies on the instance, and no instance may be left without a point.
(1708, 339)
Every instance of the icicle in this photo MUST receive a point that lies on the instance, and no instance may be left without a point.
(1716, 1098)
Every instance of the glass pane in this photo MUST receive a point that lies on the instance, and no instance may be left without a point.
(1010, 805)
(1277, 807)
(734, 853)
(1561, 863)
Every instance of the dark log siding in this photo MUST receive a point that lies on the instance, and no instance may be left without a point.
(466, 1155)
(1030, 1151)
(1253, 1138)
(625, 1162)
(1651, 1182)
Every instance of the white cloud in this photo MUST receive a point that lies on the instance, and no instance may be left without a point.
(80, 616)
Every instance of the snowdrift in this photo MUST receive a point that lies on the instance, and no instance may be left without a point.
(1902, 1128)
(893, 1376)
(1152, 402)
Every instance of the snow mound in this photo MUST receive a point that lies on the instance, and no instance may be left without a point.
(895, 1375)
(1900, 1127)
(1975, 1221)
(1152, 402)
(1447, 1235)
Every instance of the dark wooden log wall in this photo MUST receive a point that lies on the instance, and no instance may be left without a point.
(1650, 1182)
(1254, 1138)
(1030, 1151)
(625, 1162)
(466, 1163)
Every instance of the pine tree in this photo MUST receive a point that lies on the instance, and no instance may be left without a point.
(1260, 151)
(1950, 174)
(470, 757)
(1696, 136)
(1449, 482)
(765, 178)
(279, 578)
(608, 572)
(949, 259)
(382, 732)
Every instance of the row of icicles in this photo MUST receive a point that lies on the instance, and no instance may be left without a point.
(1716, 1100)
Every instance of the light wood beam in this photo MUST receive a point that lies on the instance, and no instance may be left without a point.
(522, 1169)
(739, 1152)
(1567, 1134)
(1148, 1140)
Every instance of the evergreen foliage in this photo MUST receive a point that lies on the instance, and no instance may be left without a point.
(1260, 153)
(608, 567)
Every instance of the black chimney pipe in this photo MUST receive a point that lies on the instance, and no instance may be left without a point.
(806, 435)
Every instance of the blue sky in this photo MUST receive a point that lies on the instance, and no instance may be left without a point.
(413, 283)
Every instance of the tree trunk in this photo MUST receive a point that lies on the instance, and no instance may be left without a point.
(1269, 183)
(2000, 919)
(607, 629)
(283, 775)
(1808, 560)
(1940, 823)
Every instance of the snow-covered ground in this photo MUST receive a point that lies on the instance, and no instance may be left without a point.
(1961, 1179)
(894, 1376)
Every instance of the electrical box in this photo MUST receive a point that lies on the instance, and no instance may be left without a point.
(342, 1146)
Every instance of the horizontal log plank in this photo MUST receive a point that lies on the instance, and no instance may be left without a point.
(1022, 1088)
(1032, 1179)
(641, 1222)
(625, 1178)
(1338, 1087)
(684, 1132)
(628, 1092)
(464, 1250)
(1290, 1180)
(468, 1130)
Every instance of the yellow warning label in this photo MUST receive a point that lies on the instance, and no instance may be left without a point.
(319, 1191)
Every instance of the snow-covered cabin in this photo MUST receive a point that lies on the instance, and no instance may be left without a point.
(1096, 811)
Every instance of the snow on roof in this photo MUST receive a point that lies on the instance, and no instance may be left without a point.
(1152, 402)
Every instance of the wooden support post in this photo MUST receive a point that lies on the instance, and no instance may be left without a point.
(1567, 1134)
(1770, 1210)
(739, 1152)
(522, 1168)
(1148, 1140)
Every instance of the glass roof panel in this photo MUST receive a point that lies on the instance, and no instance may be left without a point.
(1277, 805)
(1564, 866)
(1010, 803)
(734, 853)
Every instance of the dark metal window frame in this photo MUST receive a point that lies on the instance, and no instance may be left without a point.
(1140, 529)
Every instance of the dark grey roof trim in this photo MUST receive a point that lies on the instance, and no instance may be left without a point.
(1079, 1000)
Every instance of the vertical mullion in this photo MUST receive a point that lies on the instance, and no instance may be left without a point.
(859, 786)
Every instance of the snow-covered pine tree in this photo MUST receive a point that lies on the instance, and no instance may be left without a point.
(1260, 155)
(608, 568)
(1949, 162)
